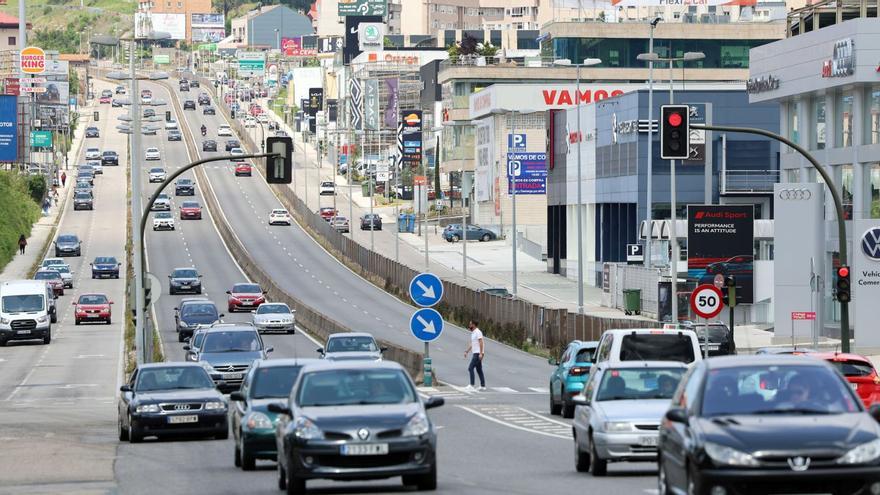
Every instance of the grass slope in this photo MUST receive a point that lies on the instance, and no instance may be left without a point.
(19, 212)
(102, 16)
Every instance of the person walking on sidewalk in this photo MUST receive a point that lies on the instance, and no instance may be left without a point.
(477, 350)
(22, 243)
(63, 178)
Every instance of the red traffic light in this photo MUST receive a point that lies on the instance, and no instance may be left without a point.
(675, 119)
(843, 271)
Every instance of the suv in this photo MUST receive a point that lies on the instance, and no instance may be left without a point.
(83, 201)
(351, 346)
(193, 314)
(228, 351)
(570, 375)
(648, 344)
(109, 158)
(189, 105)
(184, 187)
(720, 340)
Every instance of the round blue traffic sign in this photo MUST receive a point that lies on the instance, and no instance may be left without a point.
(426, 289)
(426, 324)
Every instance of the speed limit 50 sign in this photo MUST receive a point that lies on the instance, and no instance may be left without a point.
(706, 301)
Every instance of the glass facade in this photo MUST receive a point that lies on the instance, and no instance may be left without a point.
(872, 118)
(793, 122)
(622, 52)
(844, 120)
(875, 190)
(819, 118)
(846, 182)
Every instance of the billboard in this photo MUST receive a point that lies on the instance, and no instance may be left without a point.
(173, 24)
(8, 128)
(316, 104)
(251, 63)
(32, 60)
(363, 7)
(58, 68)
(411, 135)
(371, 104)
(530, 170)
(484, 153)
(41, 139)
(210, 20)
(57, 93)
(293, 47)
(332, 110)
(354, 103)
(208, 35)
(721, 243)
(865, 277)
(351, 46)
(393, 105)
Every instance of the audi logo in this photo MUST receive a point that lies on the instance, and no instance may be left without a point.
(181, 407)
(795, 194)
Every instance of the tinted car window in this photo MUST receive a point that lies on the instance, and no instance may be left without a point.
(246, 288)
(274, 382)
(656, 347)
(272, 309)
(200, 336)
(584, 356)
(82, 195)
(350, 387)
(199, 309)
(186, 273)
(641, 383)
(153, 379)
(352, 344)
(219, 341)
(853, 368)
(47, 275)
(23, 303)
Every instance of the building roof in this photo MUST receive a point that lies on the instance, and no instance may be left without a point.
(10, 21)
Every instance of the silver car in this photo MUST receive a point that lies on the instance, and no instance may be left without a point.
(351, 346)
(162, 203)
(274, 317)
(617, 417)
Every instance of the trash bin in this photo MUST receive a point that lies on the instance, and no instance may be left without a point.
(632, 301)
(410, 223)
(401, 222)
(365, 189)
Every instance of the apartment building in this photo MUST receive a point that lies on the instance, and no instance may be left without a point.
(176, 17)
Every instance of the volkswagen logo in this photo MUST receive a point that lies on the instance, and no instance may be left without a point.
(795, 194)
(363, 433)
(799, 463)
(181, 407)
(871, 243)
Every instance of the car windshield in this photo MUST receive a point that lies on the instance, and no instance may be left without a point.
(162, 214)
(61, 268)
(109, 153)
(23, 303)
(344, 387)
(171, 378)
(156, 170)
(161, 197)
(92, 299)
(220, 341)
(184, 182)
(82, 195)
(279, 212)
(246, 289)
(274, 382)
(199, 309)
(152, 150)
(185, 273)
(105, 260)
(717, 333)
(53, 261)
(197, 339)
(67, 238)
(657, 347)
(853, 368)
(47, 275)
(638, 383)
(352, 344)
(788, 389)
(273, 309)
(189, 204)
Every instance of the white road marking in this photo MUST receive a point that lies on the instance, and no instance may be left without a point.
(514, 426)
(540, 390)
(506, 390)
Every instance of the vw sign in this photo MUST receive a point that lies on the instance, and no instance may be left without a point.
(871, 243)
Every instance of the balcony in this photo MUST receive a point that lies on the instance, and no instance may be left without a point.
(748, 181)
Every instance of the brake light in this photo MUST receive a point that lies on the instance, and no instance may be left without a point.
(656, 332)
(578, 371)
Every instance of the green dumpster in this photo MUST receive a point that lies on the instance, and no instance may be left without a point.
(365, 189)
(632, 301)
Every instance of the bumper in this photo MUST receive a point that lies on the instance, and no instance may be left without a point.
(67, 252)
(232, 384)
(157, 179)
(190, 216)
(163, 226)
(105, 273)
(815, 480)
(82, 206)
(210, 423)
(151, 157)
(109, 162)
(185, 192)
(573, 387)
(236, 305)
(161, 207)
(405, 457)
(92, 317)
(7, 334)
(640, 446)
(275, 327)
(195, 288)
(260, 444)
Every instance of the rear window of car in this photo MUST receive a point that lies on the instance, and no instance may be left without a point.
(656, 347)
(853, 368)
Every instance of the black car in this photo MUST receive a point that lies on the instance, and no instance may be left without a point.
(209, 110)
(85, 176)
(229, 350)
(105, 266)
(92, 132)
(193, 314)
(184, 86)
(204, 99)
(174, 135)
(231, 144)
(83, 201)
(189, 105)
(194, 84)
(109, 158)
(68, 245)
(120, 90)
(720, 339)
(768, 424)
(171, 399)
(184, 280)
(355, 420)
(184, 187)
(149, 112)
(209, 145)
(371, 221)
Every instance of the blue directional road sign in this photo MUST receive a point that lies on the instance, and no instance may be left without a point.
(426, 324)
(426, 289)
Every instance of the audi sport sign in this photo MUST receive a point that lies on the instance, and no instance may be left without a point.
(32, 60)
(721, 242)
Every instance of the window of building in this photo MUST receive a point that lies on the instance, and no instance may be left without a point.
(875, 190)
(793, 175)
(846, 183)
(819, 117)
(723, 54)
(844, 120)
(872, 117)
(793, 121)
(11, 41)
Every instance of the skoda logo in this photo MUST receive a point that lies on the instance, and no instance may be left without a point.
(363, 433)
(371, 34)
(181, 407)
(871, 243)
(799, 463)
(801, 194)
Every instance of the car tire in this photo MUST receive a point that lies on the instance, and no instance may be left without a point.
(486, 238)
(48, 338)
(223, 435)
(694, 485)
(662, 482)
(237, 457)
(427, 482)
(123, 432)
(555, 409)
(581, 458)
(76, 322)
(295, 486)
(109, 321)
(134, 434)
(171, 291)
(567, 407)
(599, 467)
(456, 237)
(53, 318)
(248, 461)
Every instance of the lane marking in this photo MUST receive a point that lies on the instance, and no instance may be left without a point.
(511, 425)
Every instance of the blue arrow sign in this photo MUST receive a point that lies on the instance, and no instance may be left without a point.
(426, 324)
(426, 289)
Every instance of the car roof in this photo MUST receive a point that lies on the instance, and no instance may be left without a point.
(350, 334)
(640, 364)
(94, 294)
(169, 364)
(235, 327)
(323, 364)
(762, 360)
(276, 363)
(183, 268)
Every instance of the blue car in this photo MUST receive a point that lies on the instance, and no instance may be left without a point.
(105, 266)
(452, 233)
(570, 375)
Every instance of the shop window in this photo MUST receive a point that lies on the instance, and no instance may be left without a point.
(872, 117)
(793, 175)
(793, 122)
(846, 183)
(875, 190)
(819, 117)
(844, 120)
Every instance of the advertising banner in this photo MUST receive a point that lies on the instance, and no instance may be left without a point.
(371, 36)
(293, 47)
(412, 137)
(12, 86)
(351, 47)
(371, 104)
(484, 144)
(32, 60)
(332, 110)
(58, 68)
(316, 104)
(8, 128)
(392, 109)
(211, 20)
(251, 63)
(330, 45)
(584, 4)
(173, 24)
(530, 170)
(57, 93)
(53, 116)
(354, 90)
(721, 243)
(865, 279)
(208, 35)
(363, 7)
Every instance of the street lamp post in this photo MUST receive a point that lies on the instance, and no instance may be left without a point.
(673, 230)
(650, 172)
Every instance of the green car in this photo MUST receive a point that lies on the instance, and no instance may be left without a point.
(570, 375)
(253, 426)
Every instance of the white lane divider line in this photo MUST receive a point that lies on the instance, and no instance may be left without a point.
(514, 426)
(506, 390)
(540, 390)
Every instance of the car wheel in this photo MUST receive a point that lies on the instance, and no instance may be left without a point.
(76, 321)
(123, 432)
(171, 291)
(237, 457)
(282, 476)
(134, 434)
(53, 318)
(295, 486)
(456, 238)
(427, 481)
(109, 321)
(598, 466)
(581, 458)
(567, 407)
(248, 462)
(223, 435)
(181, 339)
(48, 338)
(662, 483)
(555, 409)
(486, 238)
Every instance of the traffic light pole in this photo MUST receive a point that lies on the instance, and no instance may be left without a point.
(835, 196)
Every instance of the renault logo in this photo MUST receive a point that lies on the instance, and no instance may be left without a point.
(799, 463)
(363, 433)
(181, 407)
(871, 243)
(795, 194)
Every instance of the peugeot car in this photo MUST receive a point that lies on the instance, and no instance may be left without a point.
(193, 314)
(184, 280)
(245, 296)
(68, 245)
(105, 266)
(351, 346)
(274, 317)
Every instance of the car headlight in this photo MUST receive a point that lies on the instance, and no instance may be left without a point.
(183, 324)
(42, 319)
(721, 454)
(418, 425)
(305, 429)
(214, 405)
(617, 426)
(258, 421)
(862, 454)
(147, 408)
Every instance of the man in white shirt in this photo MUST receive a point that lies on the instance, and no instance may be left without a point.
(477, 350)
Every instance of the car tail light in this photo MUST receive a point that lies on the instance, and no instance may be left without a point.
(578, 371)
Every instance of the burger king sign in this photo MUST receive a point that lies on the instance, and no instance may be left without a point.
(33, 60)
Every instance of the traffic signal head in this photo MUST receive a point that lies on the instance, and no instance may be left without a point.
(674, 132)
(279, 168)
(842, 284)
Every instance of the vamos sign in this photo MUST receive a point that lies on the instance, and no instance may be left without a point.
(32, 60)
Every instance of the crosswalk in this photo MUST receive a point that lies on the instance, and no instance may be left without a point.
(449, 391)
(522, 419)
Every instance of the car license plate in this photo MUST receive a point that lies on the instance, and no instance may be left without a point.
(648, 441)
(365, 449)
(192, 418)
(247, 303)
(232, 376)
(23, 332)
(184, 286)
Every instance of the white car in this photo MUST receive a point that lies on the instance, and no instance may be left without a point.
(49, 262)
(279, 216)
(93, 154)
(97, 167)
(157, 174)
(162, 203)
(250, 122)
(274, 317)
(263, 118)
(152, 154)
(328, 189)
(66, 276)
(163, 220)
(170, 124)
(236, 152)
(224, 130)
(146, 99)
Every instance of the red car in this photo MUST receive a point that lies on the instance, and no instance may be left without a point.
(92, 307)
(190, 210)
(327, 212)
(859, 372)
(104, 99)
(243, 168)
(245, 296)
(52, 279)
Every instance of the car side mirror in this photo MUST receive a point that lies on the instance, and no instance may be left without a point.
(176, 309)
(677, 415)
(383, 349)
(278, 408)
(269, 349)
(200, 276)
(553, 362)
(169, 276)
(874, 411)
(580, 400)
(220, 384)
(125, 388)
(320, 350)
(222, 315)
(229, 292)
(73, 303)
(236, 396)
(91, 264)
(434, 401)
(109, 302)
(187, 348)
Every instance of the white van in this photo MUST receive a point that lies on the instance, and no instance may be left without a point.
(25, 311)
(648, 344)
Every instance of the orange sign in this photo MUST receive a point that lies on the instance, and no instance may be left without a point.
(33, 60)
(420, 180)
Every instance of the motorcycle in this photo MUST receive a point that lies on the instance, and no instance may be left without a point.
(204, 131)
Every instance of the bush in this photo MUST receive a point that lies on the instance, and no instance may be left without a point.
(37, 188)
(20, 212)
